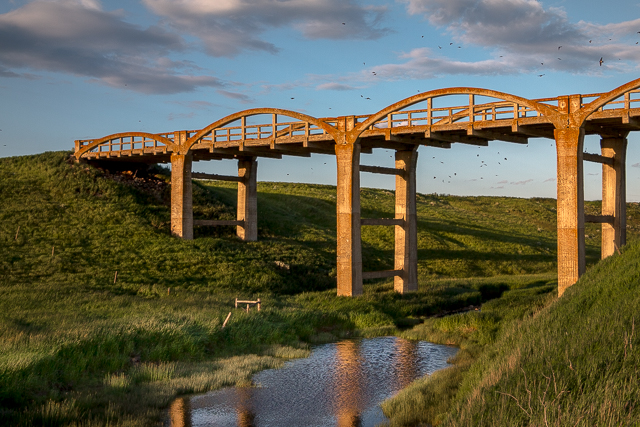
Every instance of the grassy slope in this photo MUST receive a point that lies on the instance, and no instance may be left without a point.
(576, 363)
(76, 345)
(531, 359)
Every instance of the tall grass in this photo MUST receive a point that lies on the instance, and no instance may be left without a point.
(573, 364)
(79, 344)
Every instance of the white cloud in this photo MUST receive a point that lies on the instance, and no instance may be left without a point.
(78, 37)
(227, 27)
(244, 99)
(521, 182)
(334, 86)
(518, 36)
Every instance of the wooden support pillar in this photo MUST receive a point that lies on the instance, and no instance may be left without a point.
(406, 235)
(614, 195)
(181, 196)
(571, 255)
(349, 246)
(248, 199)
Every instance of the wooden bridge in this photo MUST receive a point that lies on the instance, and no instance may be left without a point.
(488, 115)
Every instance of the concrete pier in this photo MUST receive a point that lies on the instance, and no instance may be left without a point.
(571, 261)
(248, 199)
(181, 196)
(349, 246)
(406, 235)
(614, 235)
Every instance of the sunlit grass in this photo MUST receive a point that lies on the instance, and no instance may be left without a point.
(80, 345)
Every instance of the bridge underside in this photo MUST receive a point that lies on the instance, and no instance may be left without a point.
(562, 119)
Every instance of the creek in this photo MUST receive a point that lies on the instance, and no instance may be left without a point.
(339, 384)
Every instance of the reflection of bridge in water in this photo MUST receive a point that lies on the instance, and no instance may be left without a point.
(340, 384)
(488, 115)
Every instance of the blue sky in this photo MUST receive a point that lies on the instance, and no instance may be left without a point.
(74, 69)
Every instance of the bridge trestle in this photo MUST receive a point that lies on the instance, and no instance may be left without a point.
(567, 119)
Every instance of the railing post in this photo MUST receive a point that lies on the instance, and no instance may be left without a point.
(406, 235)
(248, 199)
(614, 195)
(348, 239)
(571, 255)
(181, 192)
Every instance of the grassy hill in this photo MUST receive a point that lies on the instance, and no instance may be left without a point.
(80, 344)
(530, 359)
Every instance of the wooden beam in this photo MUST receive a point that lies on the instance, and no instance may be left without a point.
(599, 219)
(492, 135)
(597, 158)
(216, 222)
(434, 143)
(380, 274)
(234, 151)
(320, 148)
(265, 151)
(380, 169)
(633, 121)
(463, 139)
(395, 143)
(216, 177)
(289, 150)
(381, 221)
(531, 132)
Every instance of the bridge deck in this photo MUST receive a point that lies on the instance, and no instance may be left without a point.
(439, 127)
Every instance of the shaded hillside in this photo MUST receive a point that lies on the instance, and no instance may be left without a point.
(96, 226)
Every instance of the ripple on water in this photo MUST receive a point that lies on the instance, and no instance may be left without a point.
(339, 384)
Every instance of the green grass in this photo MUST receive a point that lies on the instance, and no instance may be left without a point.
(77, 346)
(530, 359)
(576, 363)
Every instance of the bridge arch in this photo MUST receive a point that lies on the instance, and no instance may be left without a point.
(553, 114)
(331, 130)
(146, 136)
(604, 99)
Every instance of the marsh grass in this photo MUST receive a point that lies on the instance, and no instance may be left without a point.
(80, 346)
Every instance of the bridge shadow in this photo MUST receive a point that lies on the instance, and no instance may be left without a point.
(293, 214)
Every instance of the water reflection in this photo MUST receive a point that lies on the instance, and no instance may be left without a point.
(339, 384)
(179, 413)
(347, 386)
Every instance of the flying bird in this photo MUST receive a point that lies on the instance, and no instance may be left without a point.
(601, 61)
(540, 75)
(439, 47)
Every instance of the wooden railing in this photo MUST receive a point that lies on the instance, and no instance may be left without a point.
(430, 116)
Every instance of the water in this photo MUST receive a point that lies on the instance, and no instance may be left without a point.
(339, 384)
